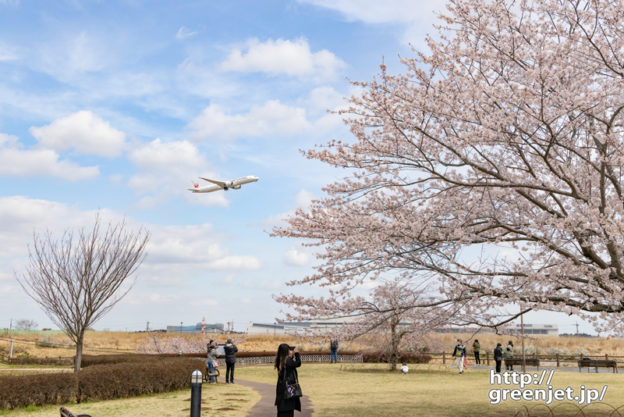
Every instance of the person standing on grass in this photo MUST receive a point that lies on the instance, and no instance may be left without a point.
(287, 361)
(333, 350)
(498, 357)
(230, 350)
(508, 355)
(459, 354)
(476, 347)
(211, 360)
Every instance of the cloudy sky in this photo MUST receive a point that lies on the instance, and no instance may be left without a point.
(117, 105)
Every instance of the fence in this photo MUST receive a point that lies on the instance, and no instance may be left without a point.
(318, 358)
(556, 360)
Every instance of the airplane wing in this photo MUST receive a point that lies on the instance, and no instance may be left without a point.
(219, 183)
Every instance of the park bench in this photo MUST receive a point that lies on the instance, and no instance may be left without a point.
(597, 363)
(527, 361)
(66, 413)
(208, 374)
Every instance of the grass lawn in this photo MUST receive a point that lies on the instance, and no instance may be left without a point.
(218, 400)
(428, 390)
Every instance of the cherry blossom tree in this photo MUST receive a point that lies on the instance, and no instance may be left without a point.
(393, 308)
(494, 161)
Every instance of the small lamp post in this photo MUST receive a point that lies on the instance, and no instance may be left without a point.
(196, 387)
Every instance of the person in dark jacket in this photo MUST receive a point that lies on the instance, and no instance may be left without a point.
(286, 363)
(333, 350)
(476, 347)
(230, 350)
(498, 357)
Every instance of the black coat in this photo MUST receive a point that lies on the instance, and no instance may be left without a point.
(289, 373)
(498, 353)
(230, 352)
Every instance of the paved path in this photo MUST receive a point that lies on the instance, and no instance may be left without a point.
(265, 407)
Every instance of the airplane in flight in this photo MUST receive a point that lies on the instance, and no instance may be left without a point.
(222, 185)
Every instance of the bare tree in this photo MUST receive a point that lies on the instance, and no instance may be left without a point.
(25, 324)
(79, 277)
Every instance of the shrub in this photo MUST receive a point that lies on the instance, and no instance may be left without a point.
(21, 391)
(409, 357)
(105, 382)
(30, 360)
(99, 382)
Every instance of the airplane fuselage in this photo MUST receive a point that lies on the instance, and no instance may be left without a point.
(223, 185)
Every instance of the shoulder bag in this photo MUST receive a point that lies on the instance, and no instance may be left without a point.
(292, 390)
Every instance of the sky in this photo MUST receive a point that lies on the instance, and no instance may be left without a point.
(117, 106)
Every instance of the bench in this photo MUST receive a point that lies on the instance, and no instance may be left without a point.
(597, 363)
(66, 413)
(214, 374)
(527, 361)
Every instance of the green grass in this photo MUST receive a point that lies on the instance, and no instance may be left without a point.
(371, 390)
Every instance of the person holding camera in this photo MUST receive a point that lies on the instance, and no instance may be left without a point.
(230, 350)
(287, 391)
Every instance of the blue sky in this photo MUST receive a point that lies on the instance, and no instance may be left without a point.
(117, 105)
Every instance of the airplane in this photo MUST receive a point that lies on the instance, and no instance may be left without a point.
(222, 185)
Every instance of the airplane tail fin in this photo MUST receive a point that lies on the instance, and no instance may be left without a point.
(195, 186)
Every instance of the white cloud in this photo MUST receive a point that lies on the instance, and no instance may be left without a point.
(174, 253)
(235, 263)
(18, 162)
(196, 78)
(304, 199)
(294, 257)
(185, 33)
(271, 118)
(283, 56)
(388, 11)
(84, 132)
(68, 57)
(416, 17)
(7, 53)
(167, 169)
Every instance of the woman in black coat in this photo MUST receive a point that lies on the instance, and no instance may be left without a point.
(286, 363)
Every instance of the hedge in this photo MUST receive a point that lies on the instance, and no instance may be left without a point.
(32, 360)
(98, 382)
(17, 391)
(410, 357)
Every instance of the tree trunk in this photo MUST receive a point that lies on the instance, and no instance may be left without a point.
(395, 339)
(78, 358)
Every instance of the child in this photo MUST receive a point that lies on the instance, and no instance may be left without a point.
(404, 368)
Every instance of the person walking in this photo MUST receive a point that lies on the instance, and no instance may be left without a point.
(333, 350)
(211, 360)
(498, 357)
(230, 350)
(476, 347)
(508, 355)
(459, 354)
(287, 361)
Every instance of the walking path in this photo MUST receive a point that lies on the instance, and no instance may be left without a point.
(266, 407)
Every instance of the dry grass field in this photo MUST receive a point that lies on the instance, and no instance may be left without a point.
(46, 344)
(370, 390)
(218, 400)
